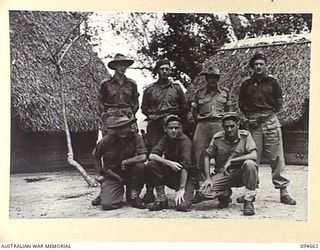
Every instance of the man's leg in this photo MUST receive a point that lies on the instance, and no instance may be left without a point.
(136, 180)
(156, 178)
(221, 189)
(111, 194)
(201, 140)
(154, 134)
(274, 152)
(248, 177)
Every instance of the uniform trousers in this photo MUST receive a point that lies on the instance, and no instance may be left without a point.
(246, 175)
(268, 139)
(202, 137)
(162, 175)
(112, 190)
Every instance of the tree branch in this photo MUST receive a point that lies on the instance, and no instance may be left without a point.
(70, 33)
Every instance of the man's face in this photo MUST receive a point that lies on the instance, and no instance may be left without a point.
(120, 68)
(230, 127)
(126, 130)
(173, 129)
(164, 71)
(259, 66)
(212, 80)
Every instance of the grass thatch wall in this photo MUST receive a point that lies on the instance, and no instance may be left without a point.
(290, 63)
(35, 91)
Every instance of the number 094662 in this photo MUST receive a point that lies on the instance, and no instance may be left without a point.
(313, 246)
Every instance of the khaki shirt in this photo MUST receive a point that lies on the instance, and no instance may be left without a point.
(114, 149)
(211, 104)
(159, 101)
(119, 95)
(221, 149)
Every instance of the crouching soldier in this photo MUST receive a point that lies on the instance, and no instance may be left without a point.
(170, 165)
(123, 153)
(235, 154)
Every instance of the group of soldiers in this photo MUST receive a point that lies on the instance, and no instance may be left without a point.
(218, 156)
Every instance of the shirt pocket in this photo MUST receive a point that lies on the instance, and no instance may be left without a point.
(205, 106)
(267, 88)
(113, 93)
(221, 103)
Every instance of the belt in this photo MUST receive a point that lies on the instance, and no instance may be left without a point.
(262, 117)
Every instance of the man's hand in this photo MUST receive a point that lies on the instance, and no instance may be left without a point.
(123, 165)
(205, 185)
(175, 166)
(179, 196)
(99, 178)
(226, 166)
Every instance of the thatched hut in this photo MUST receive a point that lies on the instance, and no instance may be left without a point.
(289, 61)
(38, 140)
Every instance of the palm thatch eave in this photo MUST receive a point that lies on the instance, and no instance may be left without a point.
(35, 91)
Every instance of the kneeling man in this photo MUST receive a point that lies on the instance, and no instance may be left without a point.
(124, 153)
(235, 155)
(170, 165)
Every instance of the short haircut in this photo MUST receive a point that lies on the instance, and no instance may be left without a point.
(159, 64)
(256, 57)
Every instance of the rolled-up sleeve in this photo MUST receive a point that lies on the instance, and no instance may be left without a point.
(211, 151)
(250, 144)
(140, 146)
(159, 148)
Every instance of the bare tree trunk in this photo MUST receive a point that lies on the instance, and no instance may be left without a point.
(91, 182)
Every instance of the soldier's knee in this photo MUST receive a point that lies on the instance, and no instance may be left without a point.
(152, 165)
(140, 167)
(250, 165)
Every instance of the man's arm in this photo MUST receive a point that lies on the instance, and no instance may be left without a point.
(134, 159)
(175, 166)
(135, 100)
(97, 162)
(144, 104)
(250, 156)
(179, 196)
(242, 98)
(277, 91)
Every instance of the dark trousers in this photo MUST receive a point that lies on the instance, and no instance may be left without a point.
(154, 133)
(161, 175)
(112, 190)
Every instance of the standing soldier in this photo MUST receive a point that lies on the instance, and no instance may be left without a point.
(161, 99)
(209, 104)
(119, 95)
(260, 98)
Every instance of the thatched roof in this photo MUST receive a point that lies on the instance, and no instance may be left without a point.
(288, 61)
(35, 91)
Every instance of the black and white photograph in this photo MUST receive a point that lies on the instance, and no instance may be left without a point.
(159, 115)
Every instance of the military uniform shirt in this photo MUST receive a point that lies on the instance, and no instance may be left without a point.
(178, 150)
(221, 149)
(263, 95)
(211, 104)
(114, 149)
(116, 95)
(161, 100)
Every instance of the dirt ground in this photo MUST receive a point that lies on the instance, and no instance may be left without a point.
(66, 195)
